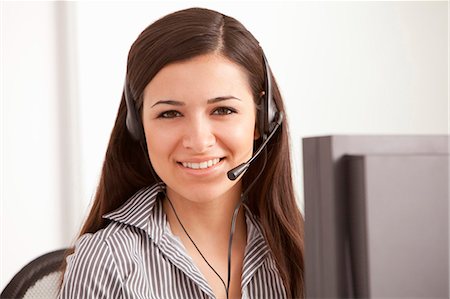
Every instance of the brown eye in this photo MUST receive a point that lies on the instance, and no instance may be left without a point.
(169, 114)
(224, 111)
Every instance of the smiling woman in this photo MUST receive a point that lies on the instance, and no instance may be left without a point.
(211, 118)
(168, 219)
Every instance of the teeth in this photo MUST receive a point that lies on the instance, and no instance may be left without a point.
(202, 165)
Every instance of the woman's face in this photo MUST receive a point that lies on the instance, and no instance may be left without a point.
(199, 123)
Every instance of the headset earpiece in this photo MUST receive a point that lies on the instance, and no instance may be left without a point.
(269, 116)
(133, 123)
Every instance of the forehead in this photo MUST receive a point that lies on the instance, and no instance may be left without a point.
(202, 77)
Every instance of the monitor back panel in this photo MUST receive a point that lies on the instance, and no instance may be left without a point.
(376, 209)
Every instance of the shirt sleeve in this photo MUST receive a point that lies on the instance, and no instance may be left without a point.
(91, 271)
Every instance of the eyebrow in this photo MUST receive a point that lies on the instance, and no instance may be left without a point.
(210, 101)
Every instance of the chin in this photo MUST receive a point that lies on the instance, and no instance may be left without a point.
(203, 193)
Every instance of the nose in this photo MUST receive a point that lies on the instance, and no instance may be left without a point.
(199, 136)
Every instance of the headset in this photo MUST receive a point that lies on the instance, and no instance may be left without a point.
(269, 119)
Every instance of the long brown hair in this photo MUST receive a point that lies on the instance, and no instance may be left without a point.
(180, 36)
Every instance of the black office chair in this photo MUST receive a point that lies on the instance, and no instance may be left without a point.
(38, 279)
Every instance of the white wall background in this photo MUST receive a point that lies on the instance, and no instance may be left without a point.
(343, 68)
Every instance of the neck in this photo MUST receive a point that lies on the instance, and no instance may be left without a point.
(207, 221)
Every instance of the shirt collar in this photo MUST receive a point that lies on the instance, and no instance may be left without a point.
(143, 211)
(139, 208)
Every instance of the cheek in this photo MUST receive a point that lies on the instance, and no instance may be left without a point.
(239, 137)
(160, 145)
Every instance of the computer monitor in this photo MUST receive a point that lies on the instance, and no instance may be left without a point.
(376, 216)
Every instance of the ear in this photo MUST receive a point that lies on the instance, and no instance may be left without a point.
(256, 135)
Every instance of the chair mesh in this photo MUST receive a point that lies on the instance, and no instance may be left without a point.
(45, 288)
(40, 278)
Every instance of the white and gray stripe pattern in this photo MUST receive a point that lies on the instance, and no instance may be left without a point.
(137, 256)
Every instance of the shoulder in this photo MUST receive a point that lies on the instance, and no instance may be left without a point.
(105, 243)
(91, 244)
(92, 270)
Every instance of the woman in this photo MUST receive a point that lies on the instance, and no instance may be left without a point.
(177, 214)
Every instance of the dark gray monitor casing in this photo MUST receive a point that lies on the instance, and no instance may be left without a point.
(376, 216)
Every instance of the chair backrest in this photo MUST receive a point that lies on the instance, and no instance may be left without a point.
(38, 279)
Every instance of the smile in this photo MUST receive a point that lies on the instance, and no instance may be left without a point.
(201, 165)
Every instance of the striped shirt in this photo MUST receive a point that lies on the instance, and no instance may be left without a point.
(137, 256)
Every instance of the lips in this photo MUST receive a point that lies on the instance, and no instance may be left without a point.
(201, 165)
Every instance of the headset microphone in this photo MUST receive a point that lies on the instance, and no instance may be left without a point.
(240, 169)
